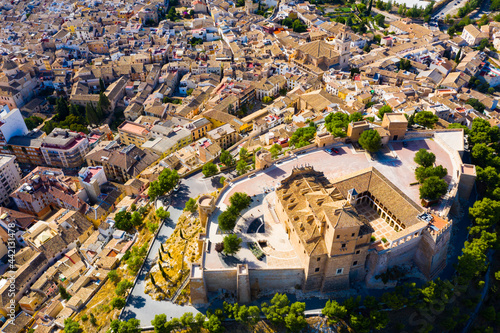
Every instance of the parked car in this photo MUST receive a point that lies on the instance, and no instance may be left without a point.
(405, 144)
(335, 150)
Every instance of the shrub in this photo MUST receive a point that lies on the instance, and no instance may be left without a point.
(219, 247)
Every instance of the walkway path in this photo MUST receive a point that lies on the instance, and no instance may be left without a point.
(141, 305)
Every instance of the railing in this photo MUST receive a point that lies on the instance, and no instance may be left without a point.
(180, 289)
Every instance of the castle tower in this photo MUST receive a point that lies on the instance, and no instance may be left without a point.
(352, 196)
(343, 47)
(263, 159)
(206, 205)
(250, 7)
(243, 281)
(197, 285)
(467, 180)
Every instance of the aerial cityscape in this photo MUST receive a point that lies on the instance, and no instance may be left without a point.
(249, 166)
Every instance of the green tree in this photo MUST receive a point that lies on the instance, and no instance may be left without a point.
(254, 314)
(101, 85)
(71, 326)
(122, 287)
(433, 188)
(334, 311)
(483, 155)
(426, 119)
(213, 325)
(378, 320)
(232, 244)
(118, 303)
(422, 173)
(113, 276)
(294, 322)
(242, 167)
(404, 64)
(226, 158)
(189, 91)
(277, 311)
(379, 19)
(159, 323)
(191, 205)
(227, 220)
(123, 220)
(476, 104)
(243, 154)
(187, 320)
(457, 125)
(483, 132)
(136, 219)
(32, 122)
(209, 169)
(356, 116)
(298, 26)
(275, 150)
(103, 102)
(383, 110)
(302, 136)
(424, 158)
(61, 108)
(64, 294)
(167, 180)
(267, 99)
(473, 259)
(129, 326)
(240, 200)
(394, 300)
(162, 213)
(485, 214)
(360, 323)
(370, 141)
(458, 56)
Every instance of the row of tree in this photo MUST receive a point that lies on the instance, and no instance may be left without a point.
(429, 176)
(167, 180)
(75, 117)
(227, 219)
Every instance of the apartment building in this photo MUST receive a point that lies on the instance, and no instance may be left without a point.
(26, 148)
(133, 133)
(45, 189)
(10, 177)
(11, 124)
(199, 128)
(63, 148)
(225, 136)
(121, 163)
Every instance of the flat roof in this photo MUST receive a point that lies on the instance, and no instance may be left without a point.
(469, 169)
(133, 128)
(396, 117)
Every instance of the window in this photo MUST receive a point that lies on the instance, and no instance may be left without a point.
(343, 246)
(318, 259)
(340, 271)
(316, 269)
(355, 263)
(357, 252)
(352, 235)
(338, 236)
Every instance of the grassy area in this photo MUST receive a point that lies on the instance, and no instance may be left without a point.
(180, 249)
(99, 306)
